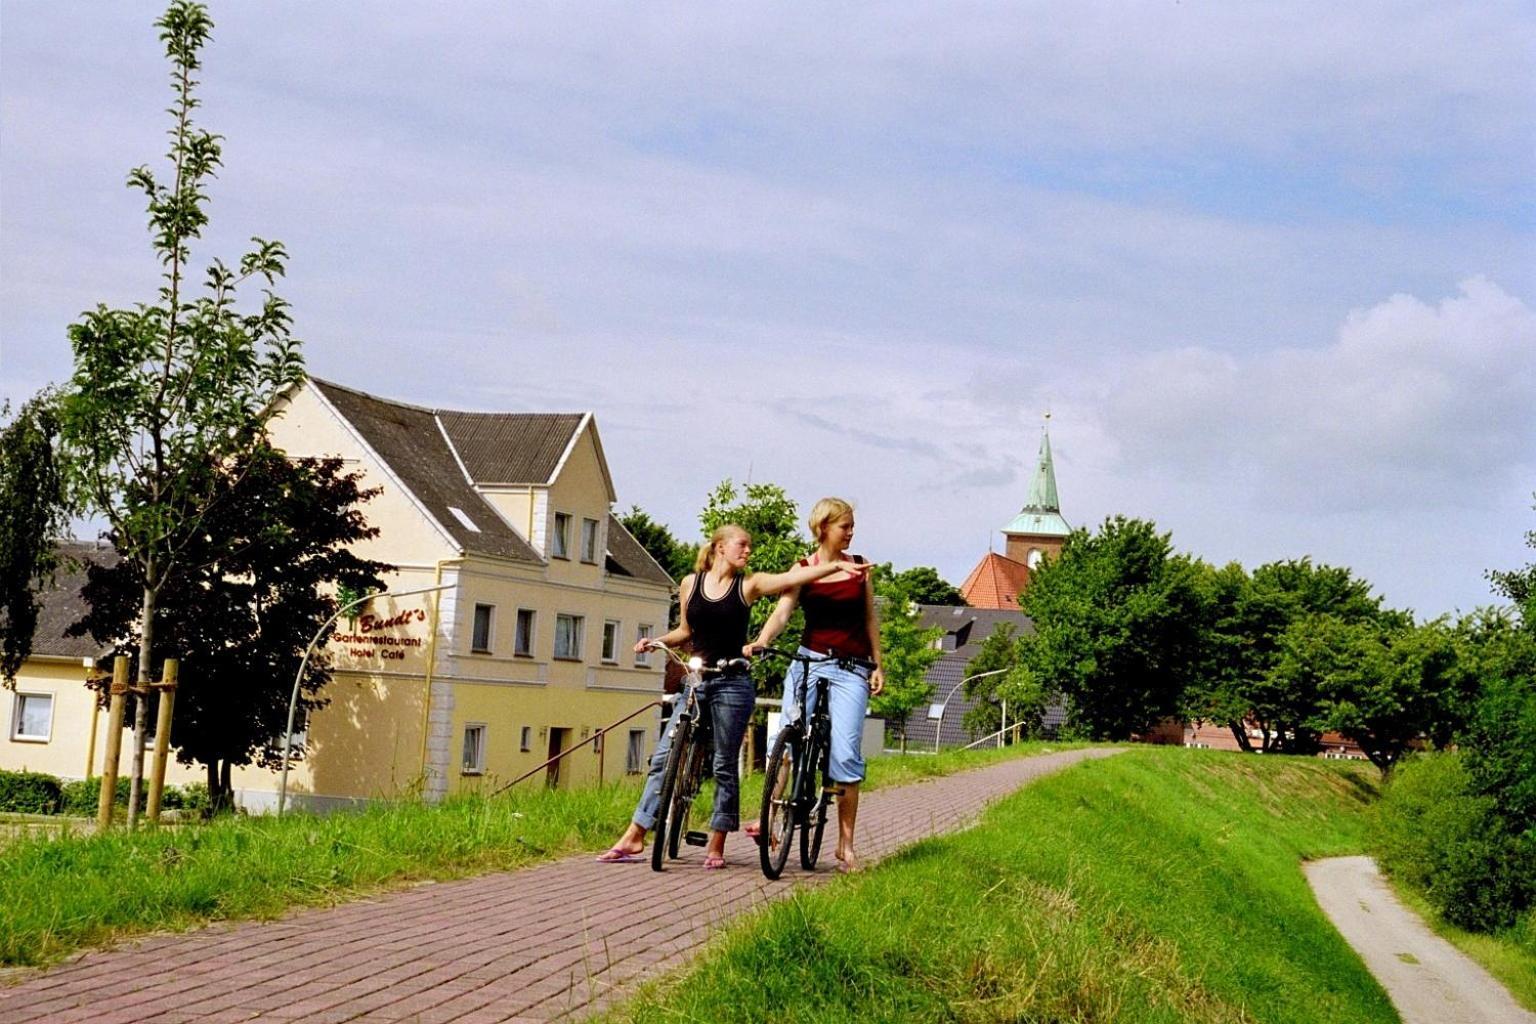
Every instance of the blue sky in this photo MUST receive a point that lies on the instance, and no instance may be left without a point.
(1270, 266)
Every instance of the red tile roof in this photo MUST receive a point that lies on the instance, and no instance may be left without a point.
(996, 582)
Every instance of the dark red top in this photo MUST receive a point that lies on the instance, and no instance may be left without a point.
(836, 617)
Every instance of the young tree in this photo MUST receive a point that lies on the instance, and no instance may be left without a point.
(166, 391)
(768, 514)
(257, 582)
(33, 513)
(908, 651)
(1116, 627)
(1013, 684)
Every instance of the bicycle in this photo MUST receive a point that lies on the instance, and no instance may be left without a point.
(792, 795)
(683, 805)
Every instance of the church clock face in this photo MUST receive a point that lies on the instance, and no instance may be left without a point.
(1034, 558)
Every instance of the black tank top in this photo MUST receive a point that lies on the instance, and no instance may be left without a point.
(718, 628)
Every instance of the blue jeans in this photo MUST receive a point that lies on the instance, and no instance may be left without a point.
(848, 703)
(729, 701)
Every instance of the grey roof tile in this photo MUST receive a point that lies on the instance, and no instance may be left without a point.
(407, 438)
(61, 606)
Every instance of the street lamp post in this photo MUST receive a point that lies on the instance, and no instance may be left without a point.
(939, 726)
(293, 700)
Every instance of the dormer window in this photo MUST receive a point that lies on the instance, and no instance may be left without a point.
(589, 540)
(560, 536)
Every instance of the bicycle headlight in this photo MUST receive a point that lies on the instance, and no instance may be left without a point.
(695, 663)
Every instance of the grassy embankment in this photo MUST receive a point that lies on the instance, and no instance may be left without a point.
(65, 892)
(1157, 886)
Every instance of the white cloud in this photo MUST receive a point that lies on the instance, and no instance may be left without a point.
(1412, 403)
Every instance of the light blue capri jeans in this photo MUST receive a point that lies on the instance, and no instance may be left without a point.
(848, 704)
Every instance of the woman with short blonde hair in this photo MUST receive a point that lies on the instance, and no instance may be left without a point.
(840, 625)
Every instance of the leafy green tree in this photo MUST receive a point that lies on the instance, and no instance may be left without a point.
(33, 514)
(908, 651)
(1116, 627)
(670, 553)
(1243, 622)
(924, 585)
(1384, 688)
(258, 580)
(165, 390)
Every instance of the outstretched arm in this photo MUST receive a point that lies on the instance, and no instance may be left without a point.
(767, 584)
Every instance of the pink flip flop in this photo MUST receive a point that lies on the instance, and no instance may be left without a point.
(618, 856)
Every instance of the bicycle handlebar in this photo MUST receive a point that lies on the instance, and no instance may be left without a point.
(843, 660)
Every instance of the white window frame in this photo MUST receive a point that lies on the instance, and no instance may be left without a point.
(611, 632)
(644, 631)
(522, 640)
(525, 739)
(478, 765)
(490, 628)
(589, 536)
(560, 535)
(578, 640)
(16, 717)
(634, 752)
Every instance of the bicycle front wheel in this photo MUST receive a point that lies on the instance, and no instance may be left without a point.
(689, 814)
(677, 758)
(776, 822)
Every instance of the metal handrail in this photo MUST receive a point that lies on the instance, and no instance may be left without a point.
(597, 734)
(994, 735)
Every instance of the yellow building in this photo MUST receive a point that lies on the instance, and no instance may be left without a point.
(525, 651)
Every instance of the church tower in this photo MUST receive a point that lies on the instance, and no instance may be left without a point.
(1035, 534)
(1038, 531)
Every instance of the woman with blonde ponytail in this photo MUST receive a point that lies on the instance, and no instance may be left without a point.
(715, 600)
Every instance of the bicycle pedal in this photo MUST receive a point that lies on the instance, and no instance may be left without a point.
(695, 838)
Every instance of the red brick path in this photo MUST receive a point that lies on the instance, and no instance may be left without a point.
(555, 941)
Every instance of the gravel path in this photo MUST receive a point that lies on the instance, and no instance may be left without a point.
(554, 941)
(1429, 980)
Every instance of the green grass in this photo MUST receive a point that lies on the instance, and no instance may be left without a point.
(64, 891)
(1157, 886)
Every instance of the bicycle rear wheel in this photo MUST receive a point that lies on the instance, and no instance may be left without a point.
(690, 809)
(816, 821)
(677, 758)
(776, 822)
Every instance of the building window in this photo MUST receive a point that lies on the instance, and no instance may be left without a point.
(480, 636)
(644, 632)
(474, 749)
(522, 642)
(33, 718)
(634, 753)
(610, 641)
(589, 540)
(568, 629)
(560, 539)
(525, 742)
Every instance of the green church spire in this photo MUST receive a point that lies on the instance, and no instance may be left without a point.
(1041, 514)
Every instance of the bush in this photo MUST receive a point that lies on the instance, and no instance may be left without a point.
(30, 793)
(82, 798)
(1435, 832)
